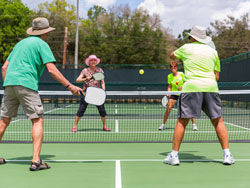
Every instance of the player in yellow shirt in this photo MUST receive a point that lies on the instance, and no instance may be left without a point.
(175, 83)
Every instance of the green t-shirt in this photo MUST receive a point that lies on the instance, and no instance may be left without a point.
(176, 81)
(200, 61)
(27, 62)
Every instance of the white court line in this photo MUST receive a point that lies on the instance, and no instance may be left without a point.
(132, 160)
(57, 109)
(116, 121)
(238, 126)
(118, 177)
(44, 113)
(116, 126)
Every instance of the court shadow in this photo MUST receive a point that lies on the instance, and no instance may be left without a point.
(72, 161)
(169, 128)
(90, 129)
(190, 157)
(27, 159)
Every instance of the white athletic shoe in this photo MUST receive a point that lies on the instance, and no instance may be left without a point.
(195, 127)
(172, 160)
(162, 127)
(228, 159)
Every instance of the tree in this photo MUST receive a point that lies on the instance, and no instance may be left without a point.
(60, 15)
(231, 35)
(120, 36)
(15, 18)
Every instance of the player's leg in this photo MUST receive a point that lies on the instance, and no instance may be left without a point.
(81, 110)
(103, 114)
(9, 109)
(179, 132)
(4, 122)
(222, 135)
(212, 108)
(37, 137)
(194, 125)
(33, 109)
(221, 132)
(170, 105)
(189, 106)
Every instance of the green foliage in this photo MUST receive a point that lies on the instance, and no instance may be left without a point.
(15, 18)
(183, 38)
(60, 15)
(122, 37)
(232, 36)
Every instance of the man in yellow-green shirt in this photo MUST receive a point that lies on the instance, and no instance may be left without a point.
(199, 92)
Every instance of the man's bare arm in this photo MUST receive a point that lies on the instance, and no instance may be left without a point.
(57, 75)
(217, 75)
(4, 69)
(172, 56)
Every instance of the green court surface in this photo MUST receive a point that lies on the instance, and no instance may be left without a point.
(125, 165)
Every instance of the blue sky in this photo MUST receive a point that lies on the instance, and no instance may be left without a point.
(176, 15)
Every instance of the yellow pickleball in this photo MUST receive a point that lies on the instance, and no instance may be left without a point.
(141, 71)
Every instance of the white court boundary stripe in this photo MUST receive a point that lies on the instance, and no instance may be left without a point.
(237, 126)
(116, 120)
(116, 126)
(118, 177)
(133, 160)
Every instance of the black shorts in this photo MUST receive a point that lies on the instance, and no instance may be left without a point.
(83, 106)
(191, 104)
(174, 97)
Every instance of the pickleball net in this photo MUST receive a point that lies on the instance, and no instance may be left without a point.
(132, 116)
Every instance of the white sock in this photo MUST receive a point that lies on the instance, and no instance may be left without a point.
(174, 153)
(226, 152)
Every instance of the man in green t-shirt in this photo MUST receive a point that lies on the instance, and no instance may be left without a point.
(199, 92)
(21, 73)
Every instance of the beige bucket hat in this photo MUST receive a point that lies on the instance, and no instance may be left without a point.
(40, 26)
(199, 34)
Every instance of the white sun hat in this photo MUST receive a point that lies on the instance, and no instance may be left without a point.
(199, 34)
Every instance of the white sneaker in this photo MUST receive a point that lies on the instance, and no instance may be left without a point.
(195, 127)
(162, 127)
(228, 159)
(172, 160)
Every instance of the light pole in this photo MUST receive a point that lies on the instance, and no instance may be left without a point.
(76, 42)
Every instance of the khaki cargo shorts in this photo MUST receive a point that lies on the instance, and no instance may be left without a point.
(29, 99)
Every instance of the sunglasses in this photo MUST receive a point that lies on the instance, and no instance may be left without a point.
(173, 66)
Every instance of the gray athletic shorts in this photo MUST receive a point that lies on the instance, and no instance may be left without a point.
(29, 99)
(191, 104)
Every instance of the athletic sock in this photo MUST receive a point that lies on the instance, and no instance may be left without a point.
(174, 153)
(226, 152)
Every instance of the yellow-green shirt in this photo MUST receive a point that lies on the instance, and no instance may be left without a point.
(176, 81)
(200, 61)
